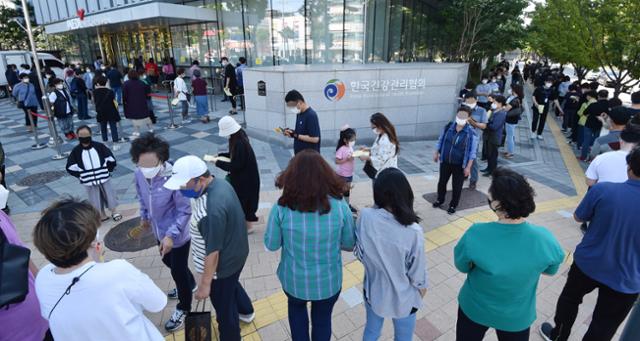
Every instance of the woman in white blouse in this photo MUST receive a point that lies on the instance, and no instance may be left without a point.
(384, 151)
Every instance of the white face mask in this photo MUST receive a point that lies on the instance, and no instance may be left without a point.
(4, 196)
(471, 105)
(461, 121)
(150, 172)
(494, 106)
(25, 80)
(547, 85)
(376, 131)
(293, 110)
(485, 81)
(225, 63)
(352, 143)
(60, 86)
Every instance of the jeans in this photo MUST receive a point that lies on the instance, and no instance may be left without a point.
(185, 109)
(113, 125)
(588, 137)
(538, 121)
(467, 330)
(66, 124)
(83, 106)
(473, 177)
(611, 308)
(229, 299)
(448, 170)
(402, 327)
(178, 261)
(320, 318)
(118, 91)
(511, 137)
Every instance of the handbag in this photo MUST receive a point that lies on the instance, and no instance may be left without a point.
(370, 170)
(198, 324)
(14, 272)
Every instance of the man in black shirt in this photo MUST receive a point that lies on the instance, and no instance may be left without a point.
(230, 83)
(307, 131)
(543, 98)
(634, 110)
(593, 125)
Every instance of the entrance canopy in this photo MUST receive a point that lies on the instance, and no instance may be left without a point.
(134, 17)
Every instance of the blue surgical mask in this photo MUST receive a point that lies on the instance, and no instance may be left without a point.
(191, 192)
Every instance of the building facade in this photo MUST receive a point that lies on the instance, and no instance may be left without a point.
(266, 32)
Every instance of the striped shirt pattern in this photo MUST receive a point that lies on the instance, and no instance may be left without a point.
(310, 263)
(198, 250)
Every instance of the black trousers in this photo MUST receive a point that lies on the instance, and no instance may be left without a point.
(178, 261)
(467, 330)
(538, 121)
(492, 156)
(229, 299)
(448, 170)
(27, 112)
(611, 308)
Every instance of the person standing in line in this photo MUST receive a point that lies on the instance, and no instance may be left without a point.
(181, 92)
(97, 64)
(543, 97)
(148, 90)
(87, 76)
(478, 121)
(306, 134)
(634, 109)
(107, 110)
(78, 90)
(482, 91)
(33, 79)
(11, 74)
(239, 71)
(115, 81)
(25, 95)
(514, 113)
(503, 261)
(606, 259)
(494, 83)
(82, 297)
(151, 68)
(242, 169)
(590, 97)
(455, 151)
(134, 100)
(390, 246)
(616, 120)
(226, 242)
(195, 65)
(611, 166)
(230, 83)
(592, 124)
(92, 163)
(62, 108)
(344, 160)
(199, 86)
(311, 224)
(167, 212)
(168, 70)
(21, 321)
(384, 151)
(570, 108)
(494, 131)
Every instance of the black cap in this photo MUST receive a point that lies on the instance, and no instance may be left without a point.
(619, 115)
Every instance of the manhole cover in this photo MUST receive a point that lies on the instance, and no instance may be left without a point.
(128, 236)
(468, 199)
(41, 178)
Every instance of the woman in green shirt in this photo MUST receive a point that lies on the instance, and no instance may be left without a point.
(311, 224)
(503, 261)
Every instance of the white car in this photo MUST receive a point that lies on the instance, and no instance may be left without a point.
(24, 57)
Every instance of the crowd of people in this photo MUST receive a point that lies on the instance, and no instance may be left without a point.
(194, 214)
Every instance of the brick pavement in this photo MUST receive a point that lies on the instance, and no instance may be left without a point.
(546, 163)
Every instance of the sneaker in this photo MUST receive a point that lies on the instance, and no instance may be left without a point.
(247, 318)
(186, 121)
(472, 185)
(173, 293)
(451, 210)
(437, 204)
(545, 331)
(175, 321)
(540, 137)
(533, 136)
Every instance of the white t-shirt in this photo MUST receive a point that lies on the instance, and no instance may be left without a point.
(107, 303)
(609, 167)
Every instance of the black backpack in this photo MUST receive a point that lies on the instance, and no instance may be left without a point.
(14, 272)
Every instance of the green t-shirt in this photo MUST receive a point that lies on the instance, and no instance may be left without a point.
(503, 264)
(224, 228)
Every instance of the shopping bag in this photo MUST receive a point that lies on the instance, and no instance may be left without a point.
(198, 324)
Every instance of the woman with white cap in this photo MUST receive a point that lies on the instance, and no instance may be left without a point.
(242, 167)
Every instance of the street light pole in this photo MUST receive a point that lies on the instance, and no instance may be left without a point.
(47, 106)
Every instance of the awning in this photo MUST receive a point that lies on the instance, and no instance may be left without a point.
(134, 17)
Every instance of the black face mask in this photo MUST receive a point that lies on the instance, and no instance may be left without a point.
(85, 141)
(491, 207)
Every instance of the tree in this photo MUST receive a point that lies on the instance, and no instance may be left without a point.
(12, 36)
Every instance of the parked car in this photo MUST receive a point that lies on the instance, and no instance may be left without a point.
(593, 75)
(24, 57)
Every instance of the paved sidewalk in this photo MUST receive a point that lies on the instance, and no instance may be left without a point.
(555, 177)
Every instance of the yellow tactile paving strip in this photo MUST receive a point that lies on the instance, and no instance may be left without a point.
(274, 308)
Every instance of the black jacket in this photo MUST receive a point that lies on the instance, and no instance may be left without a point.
(593, 111)
(105, 105)
(92, 166)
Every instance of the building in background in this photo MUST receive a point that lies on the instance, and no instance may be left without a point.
(266, 32)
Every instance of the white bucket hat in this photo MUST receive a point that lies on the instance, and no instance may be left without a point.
(228, 126)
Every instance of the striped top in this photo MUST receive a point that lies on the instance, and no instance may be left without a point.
(198, 250)
(310, 264)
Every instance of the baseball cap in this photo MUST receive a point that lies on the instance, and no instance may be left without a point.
(619, 115)
(185, 169)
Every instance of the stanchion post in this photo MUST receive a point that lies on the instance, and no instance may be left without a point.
(171, 125)
(45, 100)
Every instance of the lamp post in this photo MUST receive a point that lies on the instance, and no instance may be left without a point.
(45, 100)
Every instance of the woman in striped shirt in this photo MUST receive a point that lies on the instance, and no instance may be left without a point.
(311, 223)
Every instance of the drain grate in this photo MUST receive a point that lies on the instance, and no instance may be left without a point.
(128, 236)
(41, 178)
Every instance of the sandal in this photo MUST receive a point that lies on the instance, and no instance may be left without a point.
(116, 217)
